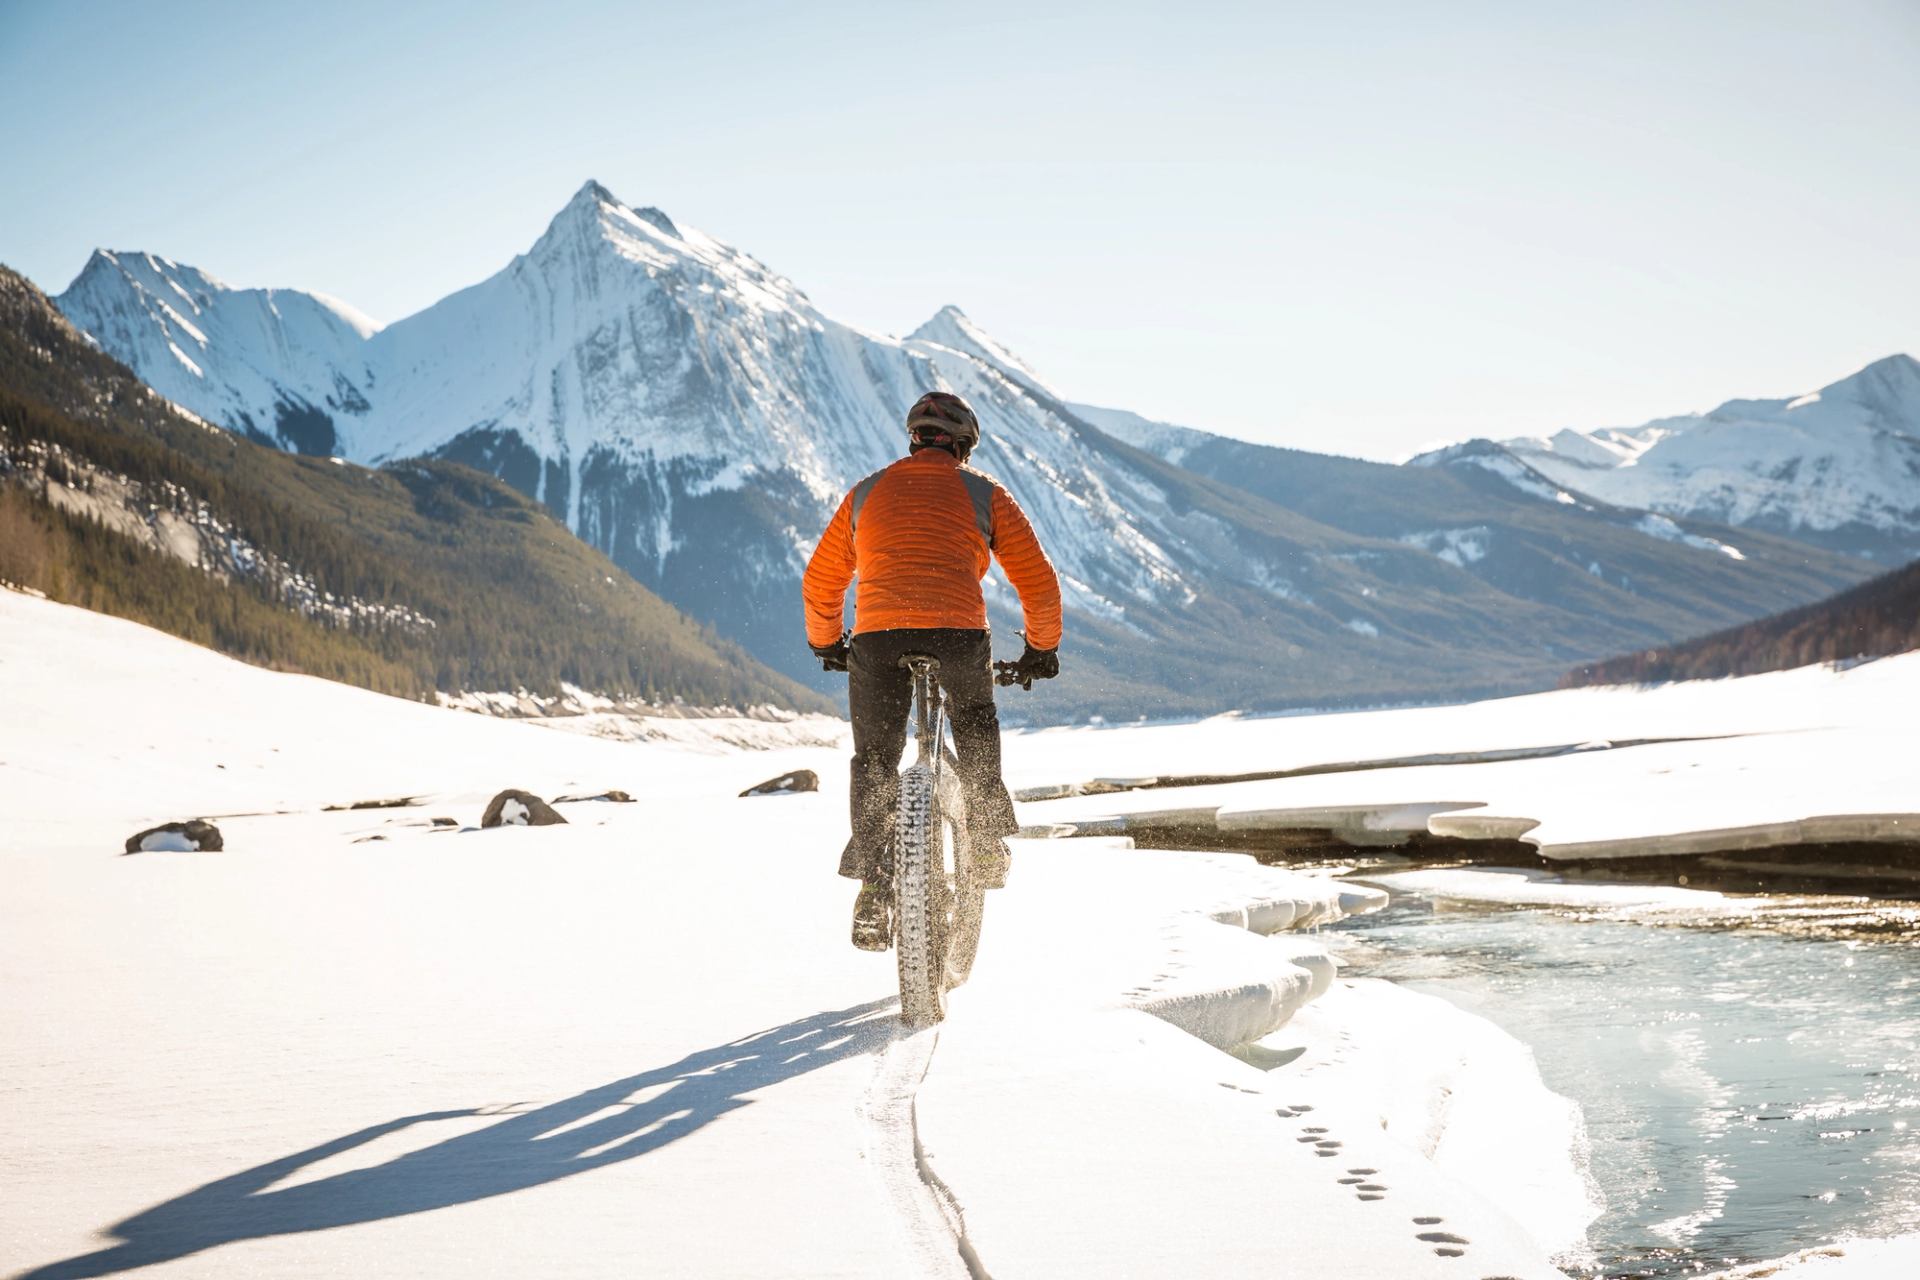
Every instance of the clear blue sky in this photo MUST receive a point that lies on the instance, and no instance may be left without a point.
(1356, 228)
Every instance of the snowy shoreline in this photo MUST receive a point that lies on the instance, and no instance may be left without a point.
(1798, 777)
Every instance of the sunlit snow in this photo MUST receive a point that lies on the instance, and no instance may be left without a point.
(358, 1042)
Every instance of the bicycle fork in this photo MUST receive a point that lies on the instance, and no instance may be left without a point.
(930, 712)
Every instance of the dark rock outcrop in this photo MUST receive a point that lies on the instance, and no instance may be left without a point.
(513, 808)
(612, 797)
(399, 802)
(786, 784)
(195, 836)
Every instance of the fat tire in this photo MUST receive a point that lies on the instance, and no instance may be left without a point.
(967, 903)
(920, 915)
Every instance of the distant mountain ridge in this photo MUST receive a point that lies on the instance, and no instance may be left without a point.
(1837, 468)
(689, 412)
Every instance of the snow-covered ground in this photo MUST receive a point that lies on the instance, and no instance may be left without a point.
(1896, 1259)
(359, 1043)
(1709, 767)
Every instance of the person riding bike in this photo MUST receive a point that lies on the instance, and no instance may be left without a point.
(918, 535)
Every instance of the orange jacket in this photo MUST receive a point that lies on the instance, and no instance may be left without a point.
(918, 534)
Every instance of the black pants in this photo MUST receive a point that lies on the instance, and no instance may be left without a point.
(880, 697)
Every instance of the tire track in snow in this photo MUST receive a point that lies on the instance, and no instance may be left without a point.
(932, 1230)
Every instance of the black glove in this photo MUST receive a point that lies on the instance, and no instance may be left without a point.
(833, 657)
(1034, 664)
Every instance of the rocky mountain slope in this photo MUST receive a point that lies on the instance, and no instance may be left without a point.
(692, 414)
(414, 579)
(1837, 468)
(1480, 510)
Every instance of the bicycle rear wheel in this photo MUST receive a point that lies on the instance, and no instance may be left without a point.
(967, 901)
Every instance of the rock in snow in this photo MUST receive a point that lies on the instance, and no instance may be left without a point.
(194, 836)
(614, 796)
(513, 808)
(786, 784)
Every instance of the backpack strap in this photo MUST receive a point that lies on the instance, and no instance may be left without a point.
(980, 488)
(858, 499)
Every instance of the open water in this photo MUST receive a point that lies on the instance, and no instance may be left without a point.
(1751, 1086)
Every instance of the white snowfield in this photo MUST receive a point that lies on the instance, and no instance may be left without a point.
(1798, 757)
(357, 1044)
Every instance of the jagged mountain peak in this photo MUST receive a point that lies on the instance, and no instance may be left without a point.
(1890, 387)
(150, 272)
(188, 291)
(594, 206)
(278, 365)
(952, 328)
(597, 226)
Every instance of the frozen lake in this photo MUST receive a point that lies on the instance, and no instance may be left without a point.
(1749, 1083)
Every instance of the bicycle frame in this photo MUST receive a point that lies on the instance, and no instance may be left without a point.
(929, 711)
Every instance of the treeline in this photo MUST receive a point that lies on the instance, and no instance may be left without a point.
(516, 601)
(79, 561)
(1879, 617)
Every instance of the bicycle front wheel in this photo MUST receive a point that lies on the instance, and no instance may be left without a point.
(921, 894)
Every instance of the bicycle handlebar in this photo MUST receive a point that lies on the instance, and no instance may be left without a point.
(1008, 673)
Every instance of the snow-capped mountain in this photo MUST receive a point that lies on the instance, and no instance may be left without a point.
(691, 413)
(1839, 467)
(278, 365)
(645, 380)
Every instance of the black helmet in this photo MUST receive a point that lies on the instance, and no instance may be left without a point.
(942, 418)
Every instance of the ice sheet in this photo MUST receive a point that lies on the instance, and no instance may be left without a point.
(1810, 756)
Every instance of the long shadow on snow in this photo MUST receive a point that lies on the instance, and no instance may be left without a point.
(522, 1150)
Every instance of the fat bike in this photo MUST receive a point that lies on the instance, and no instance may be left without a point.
(938, 891)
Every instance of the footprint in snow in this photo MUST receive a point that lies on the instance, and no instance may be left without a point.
(1445, 1243)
